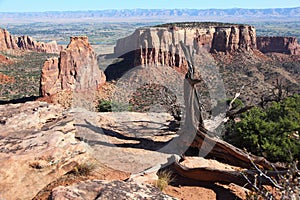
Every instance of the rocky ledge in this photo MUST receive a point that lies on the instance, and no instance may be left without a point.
(37, 145)
(40, 143)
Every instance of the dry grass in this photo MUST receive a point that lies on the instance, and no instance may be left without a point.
(164, 179)
(83, 169)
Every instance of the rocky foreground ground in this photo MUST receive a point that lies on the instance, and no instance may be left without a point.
(49, 151)
(43, 146)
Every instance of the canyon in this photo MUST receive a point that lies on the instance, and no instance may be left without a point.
(236, 53)
(44, 143)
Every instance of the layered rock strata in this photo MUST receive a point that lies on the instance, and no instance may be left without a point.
(76, 70)
(161, 45)
(37, 146)
(286, 45)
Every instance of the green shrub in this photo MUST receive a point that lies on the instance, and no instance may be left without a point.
(109, 106)
(272, 132)
(104, 106)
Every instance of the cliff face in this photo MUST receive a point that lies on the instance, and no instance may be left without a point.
(76, 69)
(27, 43)
(161, 45)
(7, 41)
(286, 45)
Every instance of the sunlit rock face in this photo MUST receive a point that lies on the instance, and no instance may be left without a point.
(74, 76)
(27, 43)
(75, 69)
(161, 45)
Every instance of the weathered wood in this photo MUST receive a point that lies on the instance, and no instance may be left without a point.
(224, 176)
(230, 154)
(205, 140)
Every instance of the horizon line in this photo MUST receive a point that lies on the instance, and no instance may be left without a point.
(147, 9)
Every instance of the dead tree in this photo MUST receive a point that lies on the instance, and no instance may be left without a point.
(205, 139)
(213, 146)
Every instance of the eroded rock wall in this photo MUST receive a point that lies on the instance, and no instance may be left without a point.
(161, 45)
(76, 69)
(8, 41)
(27, 43)
(286, 45)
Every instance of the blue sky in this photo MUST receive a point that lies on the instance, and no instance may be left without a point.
(64, 5)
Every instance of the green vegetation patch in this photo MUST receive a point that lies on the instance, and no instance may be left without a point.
(110, 106)
(272, 132)
(26, 71)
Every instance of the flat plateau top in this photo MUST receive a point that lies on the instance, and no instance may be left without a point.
(198, 24)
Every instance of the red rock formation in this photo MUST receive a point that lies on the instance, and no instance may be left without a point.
(76, 69)
(27, 43)
(50, 82)
(161, 45)
(286, 45)
(228, 39)
(7, 41)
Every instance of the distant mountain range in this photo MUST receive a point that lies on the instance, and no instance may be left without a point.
(234, 14)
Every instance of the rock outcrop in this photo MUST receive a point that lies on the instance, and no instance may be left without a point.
(97, 189)
(27, 43)
(8, 41)
(76, 70)
(37, 146)
(286, 45)
(161, 45)
(6, 79)
(5, 60)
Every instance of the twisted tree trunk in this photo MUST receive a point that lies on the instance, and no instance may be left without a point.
(212, 146)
